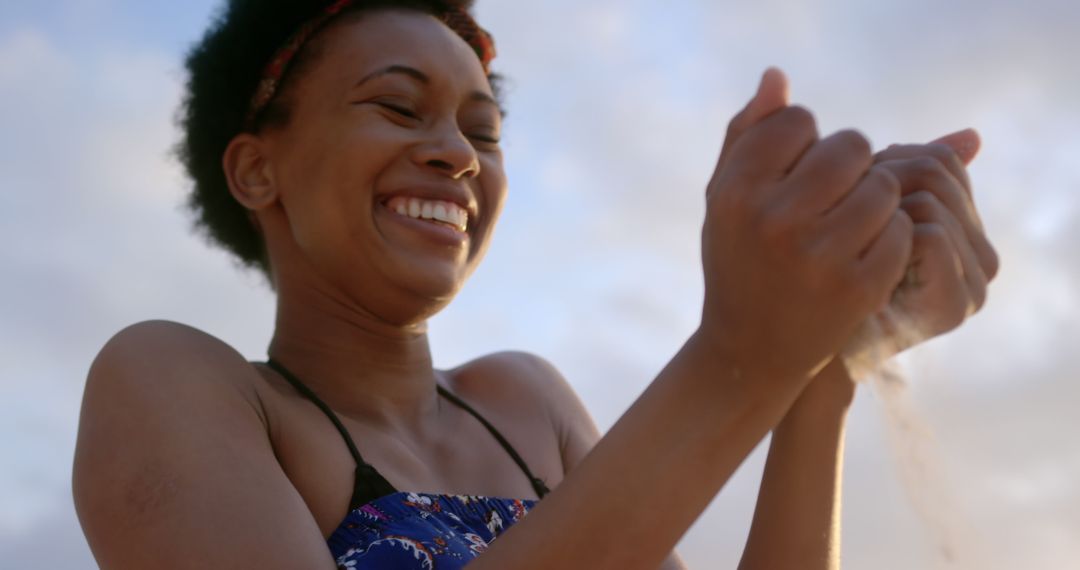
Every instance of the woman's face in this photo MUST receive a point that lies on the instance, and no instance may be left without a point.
(394, 117)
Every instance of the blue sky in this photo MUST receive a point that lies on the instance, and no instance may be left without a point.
(616, 115)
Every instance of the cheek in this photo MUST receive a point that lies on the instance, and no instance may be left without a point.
(493, 190)
(340, 171)
(327, 198)
(312, 196)
(494, 183)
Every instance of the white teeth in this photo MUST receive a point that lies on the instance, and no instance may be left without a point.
(435, 210)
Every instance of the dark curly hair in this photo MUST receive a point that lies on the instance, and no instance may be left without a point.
(224, 69)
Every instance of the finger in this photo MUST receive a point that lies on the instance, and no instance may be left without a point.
(849, 228)
(925, 173)
(883, 264)
(924, 207)
(943, 153)
(774, 145)
(773, 94)
(965, 144)
(934, 254)
(829, 170)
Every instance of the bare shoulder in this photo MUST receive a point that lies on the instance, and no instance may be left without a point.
(162, 344)
(511, 367)
(510, 378)
(173, 461)
(167, 358)
(531, 385)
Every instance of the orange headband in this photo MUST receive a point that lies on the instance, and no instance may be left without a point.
(457, 19)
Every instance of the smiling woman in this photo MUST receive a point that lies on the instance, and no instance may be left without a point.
(233, 88)
(350, 150)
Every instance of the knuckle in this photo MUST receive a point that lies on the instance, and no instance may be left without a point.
(945, 154)
(885, 178)
(889, 153)
(906, 229)
(934, 233)
(923, 196)
(928, 168)
(926, 200)
(903, 227)
(920, 204)
(855, 142)
(904, 220)
(799, 119)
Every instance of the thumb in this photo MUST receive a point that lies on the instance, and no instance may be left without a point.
(965, 144)
(772, 95)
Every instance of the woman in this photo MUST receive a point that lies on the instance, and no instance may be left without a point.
(350, 150)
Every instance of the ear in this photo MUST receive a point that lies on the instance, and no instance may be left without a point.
(248, 172)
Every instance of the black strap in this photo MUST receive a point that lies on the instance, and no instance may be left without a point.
(370, 484)
(537, 483)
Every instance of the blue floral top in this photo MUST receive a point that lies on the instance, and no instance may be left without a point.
(387, 529)
(422, 531)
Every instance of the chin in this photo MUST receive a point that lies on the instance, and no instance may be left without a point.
(414, 312)
(425, 296)
(416, 287)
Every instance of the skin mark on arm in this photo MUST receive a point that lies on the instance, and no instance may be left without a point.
(150, 492)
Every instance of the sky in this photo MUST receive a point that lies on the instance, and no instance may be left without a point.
(617, 111)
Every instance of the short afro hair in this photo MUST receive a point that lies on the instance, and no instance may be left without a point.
(224, 70)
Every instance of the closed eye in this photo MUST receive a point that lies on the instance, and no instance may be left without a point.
(410, 114)
(403, 111)
(485, 139)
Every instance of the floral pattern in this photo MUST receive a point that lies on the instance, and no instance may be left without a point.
(422, 531)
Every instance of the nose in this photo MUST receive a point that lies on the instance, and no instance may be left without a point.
(449, 152)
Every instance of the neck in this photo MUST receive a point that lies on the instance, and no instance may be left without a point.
(364, 368)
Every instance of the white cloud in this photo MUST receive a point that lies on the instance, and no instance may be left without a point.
(27, 58)
(644, 139)
(95, 242)
(615, 118)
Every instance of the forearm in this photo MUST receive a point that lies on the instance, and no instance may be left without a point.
(797, 520)
(631, 499)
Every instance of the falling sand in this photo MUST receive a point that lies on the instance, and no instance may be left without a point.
(920, 467)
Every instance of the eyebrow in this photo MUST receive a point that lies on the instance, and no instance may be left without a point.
(421, 77)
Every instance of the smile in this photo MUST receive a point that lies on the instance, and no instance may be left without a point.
(433, 211)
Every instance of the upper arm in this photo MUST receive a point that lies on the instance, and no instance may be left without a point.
(174, 467)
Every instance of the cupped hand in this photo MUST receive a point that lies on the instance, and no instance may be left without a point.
(952, 261)
(803, 238)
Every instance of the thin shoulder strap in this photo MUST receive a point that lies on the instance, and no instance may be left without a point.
(538, 484)
(369, 483)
